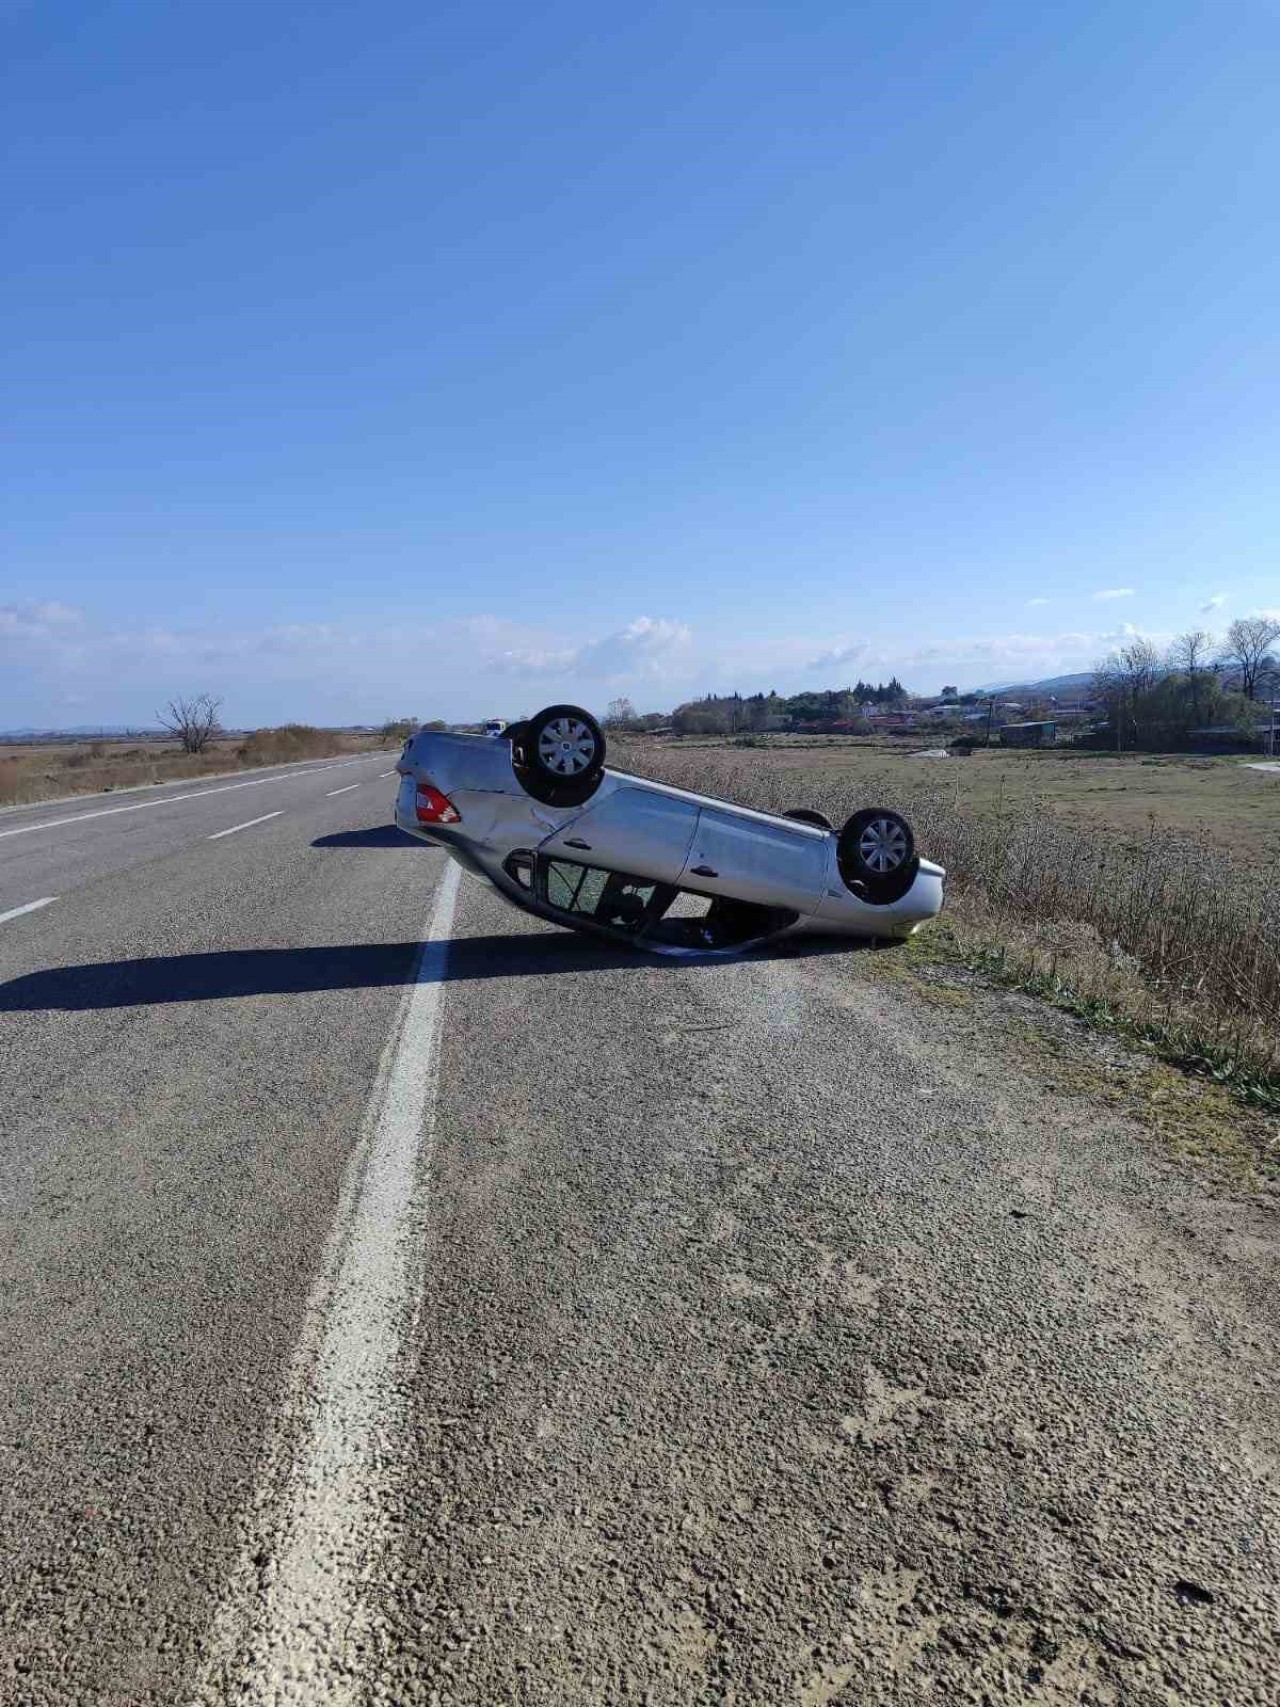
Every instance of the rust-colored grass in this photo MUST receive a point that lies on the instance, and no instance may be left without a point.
(33, 772)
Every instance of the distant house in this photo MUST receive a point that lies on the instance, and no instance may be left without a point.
(1028, 734)
(1074, 711)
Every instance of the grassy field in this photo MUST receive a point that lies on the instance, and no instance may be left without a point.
(1218, 799)
(47, 771)
(1142, 891)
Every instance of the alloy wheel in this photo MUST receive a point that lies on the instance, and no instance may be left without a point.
(566, 747)
(883, 846)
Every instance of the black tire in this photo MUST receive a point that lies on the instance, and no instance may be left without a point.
(563, 744)
(877, 855)
(536, 779)
(807, 815)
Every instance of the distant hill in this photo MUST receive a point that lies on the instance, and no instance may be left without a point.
(109, 731)
(1056, 687)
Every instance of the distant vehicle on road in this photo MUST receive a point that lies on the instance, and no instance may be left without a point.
(494, 727)
(539, 816)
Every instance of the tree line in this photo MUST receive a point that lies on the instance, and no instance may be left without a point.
(1158, 700)
(735, 713)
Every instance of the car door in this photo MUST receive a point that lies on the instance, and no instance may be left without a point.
(755, 858)
(638, 830)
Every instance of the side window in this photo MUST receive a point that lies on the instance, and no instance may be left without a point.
(520, 866)
(575, 888)
(609, 898)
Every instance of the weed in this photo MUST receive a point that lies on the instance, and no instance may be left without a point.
(1156, 935)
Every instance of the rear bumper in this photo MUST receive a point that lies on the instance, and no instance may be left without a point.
(845, 913)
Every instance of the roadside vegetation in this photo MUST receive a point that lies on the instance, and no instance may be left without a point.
(1168, 929)
(35, 771)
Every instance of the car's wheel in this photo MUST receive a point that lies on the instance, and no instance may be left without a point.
(807, 815)
(877, 855)
(563, 744)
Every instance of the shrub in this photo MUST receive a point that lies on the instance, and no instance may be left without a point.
(292, 741)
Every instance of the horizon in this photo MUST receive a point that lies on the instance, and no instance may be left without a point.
(910, 697)
(464, 359)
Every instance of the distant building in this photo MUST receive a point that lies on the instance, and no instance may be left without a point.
(1028, 734)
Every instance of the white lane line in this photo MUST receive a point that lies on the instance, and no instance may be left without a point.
(382, 774)
(346, 790)
(289, 1625)
(31, 907)
(170, 800)
(218, 834)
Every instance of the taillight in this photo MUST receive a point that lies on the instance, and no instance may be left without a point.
(432, 807)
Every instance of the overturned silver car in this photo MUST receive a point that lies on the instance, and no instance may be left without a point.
(537, 813)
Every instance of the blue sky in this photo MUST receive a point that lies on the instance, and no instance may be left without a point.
(449, 359)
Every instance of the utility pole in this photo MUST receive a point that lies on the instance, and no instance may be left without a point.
(991, 712)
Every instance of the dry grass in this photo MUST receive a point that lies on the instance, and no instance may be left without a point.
(1135, 911)
(48, 771)
(1119, 795)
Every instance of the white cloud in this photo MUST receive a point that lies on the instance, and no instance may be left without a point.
(1033, 603)
(645, 647)
(38, 617)
(1114, 593)
(648, 648)
(476, 666)
(533, 660)
(838, 656)
(327, 672)
(963, 658)
(1215, 603)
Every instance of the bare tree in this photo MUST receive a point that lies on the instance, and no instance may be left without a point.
(1249, 641)
(1190, 655)
(1190, 651)
(620, 712)
(1123, 680)
(193, 721)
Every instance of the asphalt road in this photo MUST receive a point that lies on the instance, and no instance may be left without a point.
(404, 1301)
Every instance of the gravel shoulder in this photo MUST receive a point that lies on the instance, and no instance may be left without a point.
(789, 1335)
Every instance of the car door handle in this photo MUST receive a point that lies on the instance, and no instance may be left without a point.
(703, 871)
(577, 842)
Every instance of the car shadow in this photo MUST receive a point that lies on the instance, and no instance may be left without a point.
(380, 836)
(222, 975)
